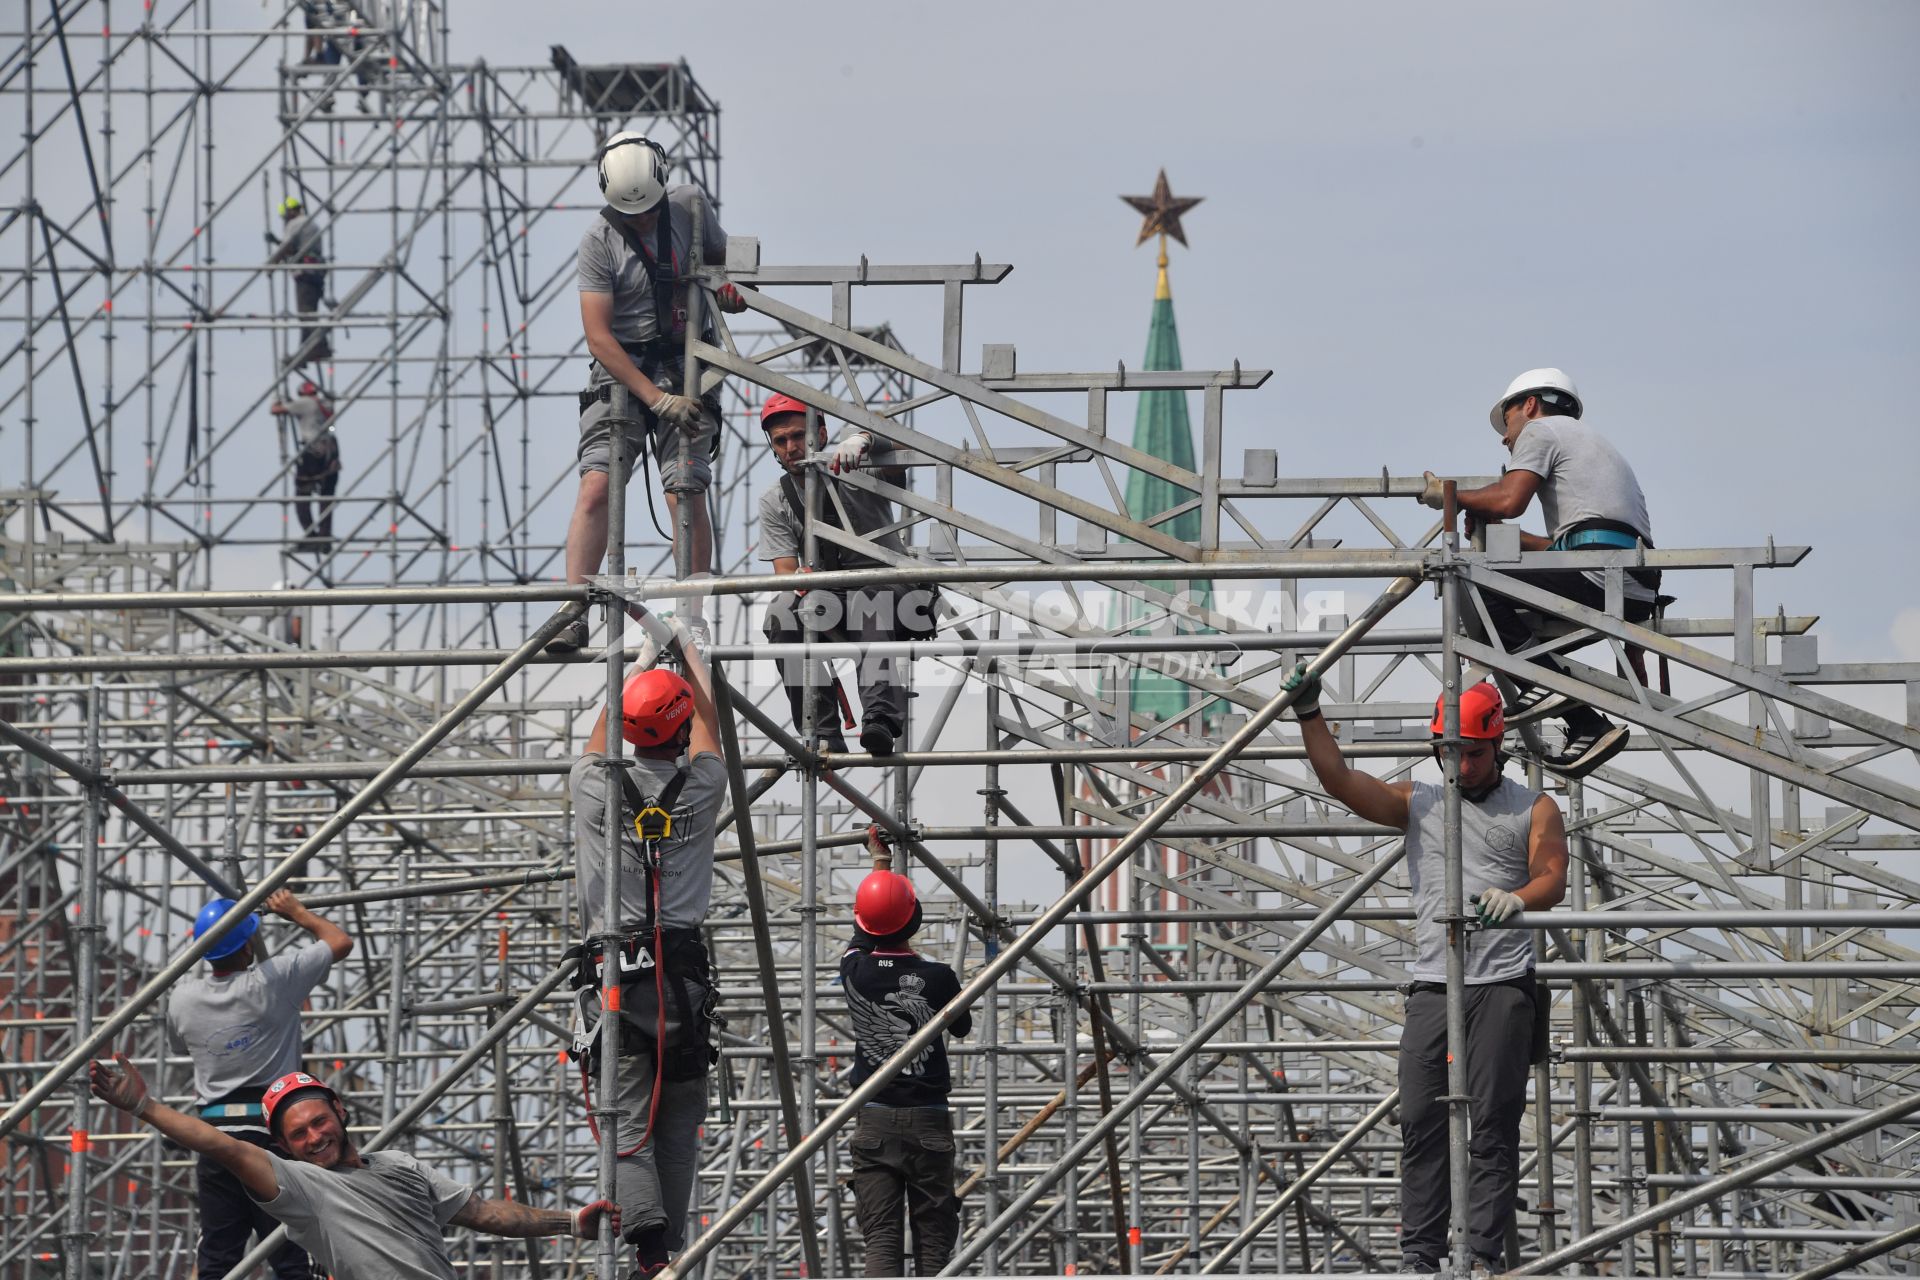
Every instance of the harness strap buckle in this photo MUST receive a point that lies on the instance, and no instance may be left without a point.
(653, 824)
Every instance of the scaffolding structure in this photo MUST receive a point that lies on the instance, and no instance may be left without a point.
(1151, 1088)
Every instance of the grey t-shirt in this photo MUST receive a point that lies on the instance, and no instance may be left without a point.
(378, 1222)
(243, 1029)
(686, 857)
(1582, 477)
(311, 416)
(299, 240)
(1494, 837)
(780, 524)
(607, 265)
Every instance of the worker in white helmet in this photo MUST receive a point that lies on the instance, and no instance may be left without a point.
(634, 273)
(1590, 499)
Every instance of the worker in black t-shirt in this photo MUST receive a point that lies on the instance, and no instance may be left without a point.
(903, 1140)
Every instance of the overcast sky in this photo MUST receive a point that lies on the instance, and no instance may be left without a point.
(1705, 213)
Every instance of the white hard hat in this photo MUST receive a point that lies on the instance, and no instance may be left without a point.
(1535, 381)
(633, 172)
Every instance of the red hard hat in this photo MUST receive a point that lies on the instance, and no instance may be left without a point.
(307, 388)
(1482, 715)
(777, 405)
(288, 1087)
(884, 903)
(653, 706)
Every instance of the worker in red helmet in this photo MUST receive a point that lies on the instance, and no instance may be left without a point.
(865, 616)
(903, 1140)
(1513, 858)
(664, 1034)
(316, 468)
(363, 1216)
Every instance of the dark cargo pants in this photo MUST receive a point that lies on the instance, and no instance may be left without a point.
(905, 1154)
(864, 617)
(1499, 1035)
(230, 1219)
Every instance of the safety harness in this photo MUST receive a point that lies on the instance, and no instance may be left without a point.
(665, 317)
(651, 948)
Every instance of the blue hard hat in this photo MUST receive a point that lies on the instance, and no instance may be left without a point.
(235, 938)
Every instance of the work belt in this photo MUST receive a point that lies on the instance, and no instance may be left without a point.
(239, 1109)
(664, 363)
(1595, 538)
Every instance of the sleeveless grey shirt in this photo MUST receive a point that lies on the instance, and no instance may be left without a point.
(1494, 836)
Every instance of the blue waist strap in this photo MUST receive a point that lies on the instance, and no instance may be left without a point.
(232, 1111)
(1595, 538)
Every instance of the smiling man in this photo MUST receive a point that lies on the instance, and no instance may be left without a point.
(1513, 858)
(376, 1216)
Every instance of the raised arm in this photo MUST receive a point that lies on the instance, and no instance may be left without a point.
(126, 1090)
(1367, 796)
(706, 717)
(290, 909)
(518, 1221)
(705, 734)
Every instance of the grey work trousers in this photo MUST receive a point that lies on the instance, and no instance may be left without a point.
(1499, 1035)
(903, 1158)
(653, 1179)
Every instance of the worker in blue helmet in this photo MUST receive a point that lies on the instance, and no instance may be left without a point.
(239, 1019)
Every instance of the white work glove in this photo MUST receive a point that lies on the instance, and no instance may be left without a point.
(675, 410)
(1435, 494)
(1496, 906)
(848, 454)
(586, 1219)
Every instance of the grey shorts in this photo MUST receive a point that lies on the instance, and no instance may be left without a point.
(664, 441)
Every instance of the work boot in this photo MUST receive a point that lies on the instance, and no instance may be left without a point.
(1592, 740)
(876, 739)
(833, 742)
(650, 1252)
(1486, 1266)
(1415, 1265)
(1535, 704)
(571, 638)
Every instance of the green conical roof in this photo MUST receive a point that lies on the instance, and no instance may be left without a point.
(1161, 428)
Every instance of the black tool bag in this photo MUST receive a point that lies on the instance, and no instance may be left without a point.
(684, 1037)
(1540, 1046)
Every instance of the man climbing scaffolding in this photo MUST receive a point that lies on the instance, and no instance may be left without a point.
(635, 265)
(316, 468)
(299, 243)
(240, 1023)
(1591, 499)
(671, 790)
(903, 1140)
